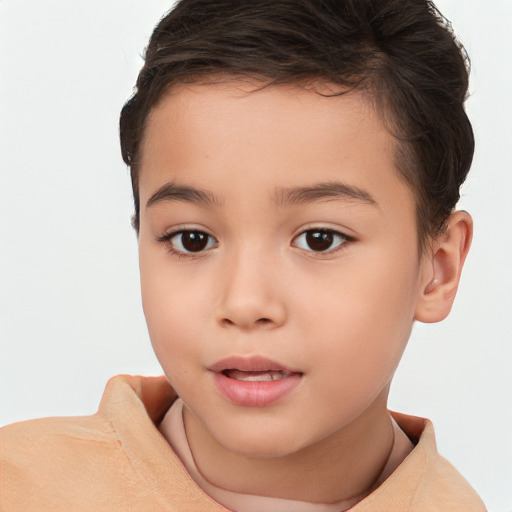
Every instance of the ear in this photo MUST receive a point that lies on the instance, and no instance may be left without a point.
(443, 263)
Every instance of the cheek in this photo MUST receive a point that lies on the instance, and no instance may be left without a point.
(171, 330)
(172, 310)
(361, 320)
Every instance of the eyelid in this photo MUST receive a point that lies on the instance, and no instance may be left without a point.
(329, 252)
(176, 230)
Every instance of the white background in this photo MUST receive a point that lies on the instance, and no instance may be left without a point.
(70, 313)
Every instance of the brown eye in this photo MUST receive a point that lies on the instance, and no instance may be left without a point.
(320, 240)
(191, 241)
(194, 241)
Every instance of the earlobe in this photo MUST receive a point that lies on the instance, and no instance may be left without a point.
(444, 262)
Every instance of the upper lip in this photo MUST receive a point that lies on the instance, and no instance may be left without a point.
(249, 364)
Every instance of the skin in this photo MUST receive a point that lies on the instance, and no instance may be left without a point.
(341, 317)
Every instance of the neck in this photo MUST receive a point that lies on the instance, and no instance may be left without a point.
(344, 466)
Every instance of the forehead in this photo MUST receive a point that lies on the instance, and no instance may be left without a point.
(286, 109)
(252, 138)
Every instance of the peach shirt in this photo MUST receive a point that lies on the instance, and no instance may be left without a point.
(117, 461)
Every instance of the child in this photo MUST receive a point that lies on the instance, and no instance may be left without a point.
(295, 167)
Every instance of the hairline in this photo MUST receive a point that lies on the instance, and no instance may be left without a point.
(377, 99)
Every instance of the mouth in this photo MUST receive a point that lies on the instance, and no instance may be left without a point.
(254, 381)
(256, 376)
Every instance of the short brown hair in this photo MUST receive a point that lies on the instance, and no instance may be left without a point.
(401, 51)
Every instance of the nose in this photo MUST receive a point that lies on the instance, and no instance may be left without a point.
(251, 293)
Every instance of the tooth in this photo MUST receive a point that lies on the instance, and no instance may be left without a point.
(256, 376)
(262, 377)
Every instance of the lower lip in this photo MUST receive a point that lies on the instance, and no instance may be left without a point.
(255, 394)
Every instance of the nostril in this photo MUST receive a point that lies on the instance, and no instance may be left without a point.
(248, 322)
(259, 321)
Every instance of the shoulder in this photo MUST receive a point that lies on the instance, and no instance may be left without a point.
(425, 481)
(113, 461)
(54, 460)
(37, 434)
(452, 490)
(79, 463)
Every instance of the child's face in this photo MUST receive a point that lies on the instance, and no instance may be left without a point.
(280, 172)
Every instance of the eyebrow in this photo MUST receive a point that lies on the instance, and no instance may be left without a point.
(322, 191)
(282, 197)
(174, 192)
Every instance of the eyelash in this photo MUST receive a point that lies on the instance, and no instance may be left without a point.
(167, 240)
(342, 239)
